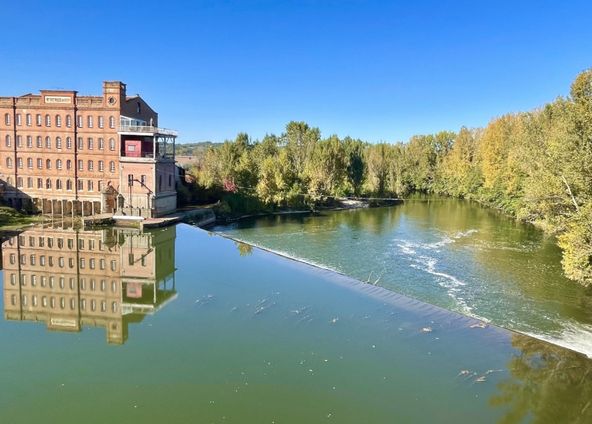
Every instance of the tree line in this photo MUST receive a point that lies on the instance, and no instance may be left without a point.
(535, 166)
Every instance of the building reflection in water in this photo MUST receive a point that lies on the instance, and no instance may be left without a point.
(70, 279)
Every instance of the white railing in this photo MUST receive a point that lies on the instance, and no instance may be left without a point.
(146, 129)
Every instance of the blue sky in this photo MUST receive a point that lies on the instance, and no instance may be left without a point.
(375, 70)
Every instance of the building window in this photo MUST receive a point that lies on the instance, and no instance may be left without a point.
(80, 184)
(59, 164)
(30, 163)
(48, 164)
(101, 122)
(58, 120)
(111, 122)
(90, 143)
(38, 119)
(58, 142)
(90, 185)
(8, 140)
(48, 184)
(7, 119)
(19, 182)
(39, 163)
(69, 185)
(19, 141)
(47, 121)
(89, 121)
(58, 184)
(18, 119)
(68, 143)
(39, 183)
(80, 165)
(79, 123)
(101, 166)
(29, 141)
(39, 142)
(80, 143)
(48, 142)
(112, 166)
(19, 163)
(68, 121)
(91, 165)
(111, 144)
(100, 186)
(101, 144)
(9, 162)
(29, 182)
(29, 120)
(68, 164)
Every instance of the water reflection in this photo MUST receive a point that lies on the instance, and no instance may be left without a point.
(70, 279)
(547, 384)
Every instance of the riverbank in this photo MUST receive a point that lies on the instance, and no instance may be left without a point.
(224, 216)
(11, 219)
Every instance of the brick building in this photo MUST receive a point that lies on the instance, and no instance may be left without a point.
(71, 279)
(63, 154)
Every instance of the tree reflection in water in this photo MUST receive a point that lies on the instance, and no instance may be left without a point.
(547, 384)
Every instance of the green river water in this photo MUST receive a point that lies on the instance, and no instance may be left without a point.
(447, 252)
(180, 325)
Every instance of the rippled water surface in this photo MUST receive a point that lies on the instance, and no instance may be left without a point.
(450, 253)
(182, 326)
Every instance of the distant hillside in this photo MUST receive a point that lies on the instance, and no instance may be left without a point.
(194, 149)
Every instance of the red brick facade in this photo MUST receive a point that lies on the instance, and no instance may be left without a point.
(63, 153)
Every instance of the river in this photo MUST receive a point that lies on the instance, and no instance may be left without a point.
(179, 325)
(452, 253)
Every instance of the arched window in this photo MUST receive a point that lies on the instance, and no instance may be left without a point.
(68, 121)
(30, 163)
(111, 144)
(101, 122)
(58, 184)
(29, 120)
(68, 184)
(47, 121)
(48, 164)
(48, 142)
(29, 141)
(80, 165)
(68, 142)
(101, 144)
(68, 164)
(89, 120)
(58, 120)
(38, 120)
(91, 165)
(9, 162)
(18, 119)
(39, 163)
(58, 142)
(111, 122)
(8, 140)
(48, 184)
(39, 142)
(7, 119)
(79, 123)
(29, 182)
(19, 162)
(101, 166)
(90, 143)
(59, 164)
(112, 166)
